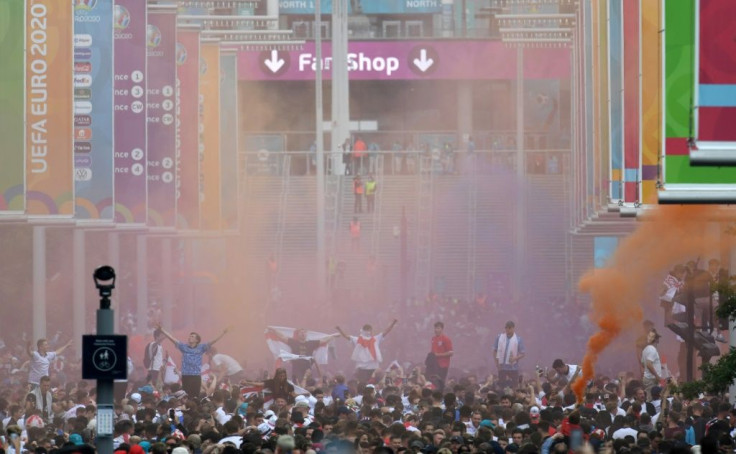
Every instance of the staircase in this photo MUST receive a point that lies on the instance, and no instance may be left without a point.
(495, 224)
(425, 217)
(546, 231)
(468, 247)
(450, 243)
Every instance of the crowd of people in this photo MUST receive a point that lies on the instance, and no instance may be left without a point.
(380, 408)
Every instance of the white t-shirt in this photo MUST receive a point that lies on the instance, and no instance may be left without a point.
(362, 355)
(650, 353)
(39, 366)
(623, 433)
(571, 371)
(157, 358)
(237, 440)
(232, 367)
(20, 423)
(171, 375)
(221, 416)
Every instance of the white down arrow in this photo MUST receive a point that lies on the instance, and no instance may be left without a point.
(274, 63)
(423, 63)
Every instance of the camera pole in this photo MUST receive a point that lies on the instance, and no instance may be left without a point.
(105, 326)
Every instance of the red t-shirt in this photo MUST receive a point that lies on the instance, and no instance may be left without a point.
(442, 344)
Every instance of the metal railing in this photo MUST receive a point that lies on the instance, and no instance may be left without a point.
(403, 162)
(397, 29)
(495, 140)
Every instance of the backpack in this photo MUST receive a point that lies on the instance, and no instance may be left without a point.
(149, 354)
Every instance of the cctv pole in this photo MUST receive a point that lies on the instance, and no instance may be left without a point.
(105, 394)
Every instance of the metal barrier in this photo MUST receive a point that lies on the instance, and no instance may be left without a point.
(496, 140)
(406, 162)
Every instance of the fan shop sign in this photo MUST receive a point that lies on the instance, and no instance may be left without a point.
(407, 60)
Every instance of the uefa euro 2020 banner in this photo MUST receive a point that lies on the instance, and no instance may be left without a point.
(93, 109)
(49, 108)
(229, 138)
(209, 93)
(187, 140)
(161, 44)
(130, 111)
(12, 97)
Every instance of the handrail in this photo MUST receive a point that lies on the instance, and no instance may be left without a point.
(415, 152)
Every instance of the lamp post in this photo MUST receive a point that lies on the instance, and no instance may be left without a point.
(340, 90)
(319, 143)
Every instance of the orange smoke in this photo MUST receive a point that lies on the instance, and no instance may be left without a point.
(667, 235)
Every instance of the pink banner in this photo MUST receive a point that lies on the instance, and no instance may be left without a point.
(631, 101)
(187, 91)
(717, 46)
(400, 60)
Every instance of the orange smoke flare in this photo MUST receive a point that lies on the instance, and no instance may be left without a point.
(667, 236)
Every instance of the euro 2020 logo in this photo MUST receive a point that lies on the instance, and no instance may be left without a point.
(87, 5)
(122, 17)
(181, 54)
(153, 36)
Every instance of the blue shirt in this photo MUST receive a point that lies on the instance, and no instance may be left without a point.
(338, 392)
(191, 357)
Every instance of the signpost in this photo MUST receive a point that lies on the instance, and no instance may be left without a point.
(105, 357)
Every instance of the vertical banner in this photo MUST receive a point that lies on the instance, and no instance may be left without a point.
(187, 140)
(651, 101)
(615, 92)
(93, 110)
(605, 104)
(12, 99)
(717, 71)
(589, 110)
(596, 87)
(161, 44)
(229, 138)
(49, 108)
(679, 86)
(209, 93)
(130, 111)
(631, 100)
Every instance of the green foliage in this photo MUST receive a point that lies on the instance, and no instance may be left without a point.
(719, 376)
(726, 301)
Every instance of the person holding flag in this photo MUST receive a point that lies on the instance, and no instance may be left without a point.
(301, 347)
(302, 350)
(367, 351)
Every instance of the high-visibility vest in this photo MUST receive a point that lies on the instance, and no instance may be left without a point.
(370, 187)
(358, 187)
